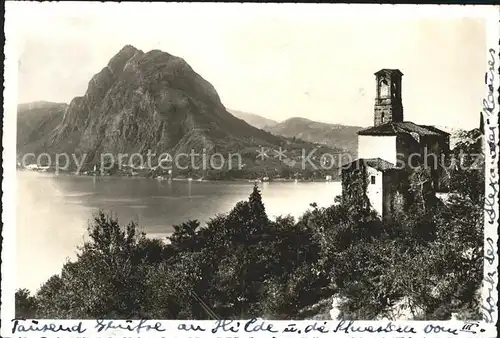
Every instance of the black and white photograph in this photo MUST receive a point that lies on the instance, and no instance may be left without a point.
(237, 161)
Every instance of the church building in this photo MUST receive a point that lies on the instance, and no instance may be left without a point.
(393, 148)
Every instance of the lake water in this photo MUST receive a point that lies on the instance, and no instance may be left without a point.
(53, 212)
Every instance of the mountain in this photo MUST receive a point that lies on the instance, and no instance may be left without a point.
(148, 103)
(253, 119)
(332, 135)
(35, 121)
(143, 101)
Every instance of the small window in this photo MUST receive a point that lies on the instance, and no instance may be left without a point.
(372, 179)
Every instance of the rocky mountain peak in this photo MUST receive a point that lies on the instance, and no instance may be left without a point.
(147, 101)
(118, 62)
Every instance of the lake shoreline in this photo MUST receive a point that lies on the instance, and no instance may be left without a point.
(186, 179)
(54, 211)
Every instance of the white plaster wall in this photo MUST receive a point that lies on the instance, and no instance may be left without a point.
(377, 146)
(374, 191)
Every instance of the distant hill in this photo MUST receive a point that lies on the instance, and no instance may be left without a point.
(35, 122)
(331, 135)
(253, 119)
(149, 102)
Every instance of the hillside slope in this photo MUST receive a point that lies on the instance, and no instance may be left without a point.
(138, 102)
(253, 119)
(332, 135)
(152, 103)
(35, 123)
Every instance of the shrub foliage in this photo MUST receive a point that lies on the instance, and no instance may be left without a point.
(243, 264)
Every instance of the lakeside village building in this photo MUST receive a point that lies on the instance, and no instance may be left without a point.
(385, 150)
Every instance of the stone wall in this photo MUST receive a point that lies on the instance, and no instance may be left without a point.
(428, 150)
(354, 186)
(395, 193)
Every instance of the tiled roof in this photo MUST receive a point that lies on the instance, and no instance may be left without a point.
(376, 163)
(437, 130)
(385, 70)
(406, 127)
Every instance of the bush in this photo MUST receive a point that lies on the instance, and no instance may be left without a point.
(242, 264)
(25, 304)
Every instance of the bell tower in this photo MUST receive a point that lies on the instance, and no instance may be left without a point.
(388, 102)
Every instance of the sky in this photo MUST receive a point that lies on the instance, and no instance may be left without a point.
(313, 61)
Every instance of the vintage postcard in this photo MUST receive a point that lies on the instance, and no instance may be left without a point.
(227, 170)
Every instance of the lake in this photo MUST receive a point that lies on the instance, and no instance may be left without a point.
(53, 211)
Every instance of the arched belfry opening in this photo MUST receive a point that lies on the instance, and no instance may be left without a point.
(388, 102)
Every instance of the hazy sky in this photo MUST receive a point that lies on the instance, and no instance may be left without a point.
(278, 62)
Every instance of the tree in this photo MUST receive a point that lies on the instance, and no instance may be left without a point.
(25, 304)
(106, 280)
(459, 254)
(50, 299)
(243, 264)
(257, 211)
(421, 188)
(184, 237)
(465, 166)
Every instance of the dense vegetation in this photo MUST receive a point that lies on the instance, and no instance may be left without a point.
(243, 264)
